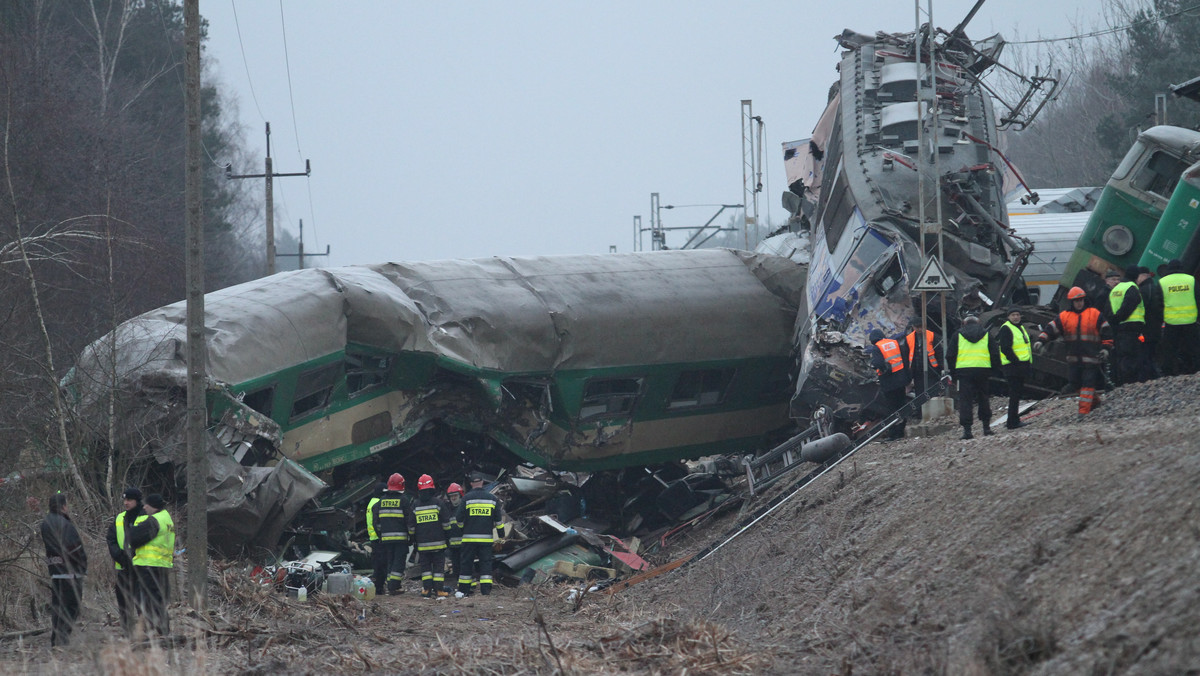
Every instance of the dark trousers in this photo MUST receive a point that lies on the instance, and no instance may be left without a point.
(973, 391)
(1180, 349)
(1015, 375)
(475, 562)
(895, 400)
(1153, 333)
(155, 587)
(1129, 354)
(64, 607)
(396, 552)
(379, 565)
(127, 591)
(433, 570)
(452, 556)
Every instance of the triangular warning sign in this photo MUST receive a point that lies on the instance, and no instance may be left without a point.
(932, 278)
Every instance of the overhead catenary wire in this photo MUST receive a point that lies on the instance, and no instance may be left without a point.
(1108, 31)
(295, 126)
(245, 62)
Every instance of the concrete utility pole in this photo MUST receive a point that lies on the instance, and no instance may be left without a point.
(300, 252)
(752, 133)
(269, 175)
(197, 412)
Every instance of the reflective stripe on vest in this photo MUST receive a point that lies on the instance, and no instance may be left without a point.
(1020, 347)
(911, 339)
(1080, 326)
(121, 531)
(1117, 295)
(972, 355)
(1179, 299)
(159, 552)
(392, 525)
(891, 354)
(371, 532)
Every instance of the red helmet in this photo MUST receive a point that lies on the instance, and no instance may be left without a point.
(424, 482)
(1076, 293)
(454, 488)
(396, 482)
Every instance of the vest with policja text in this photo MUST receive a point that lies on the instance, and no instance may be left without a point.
(972, 355)
(1117, 296)
(1179, 299)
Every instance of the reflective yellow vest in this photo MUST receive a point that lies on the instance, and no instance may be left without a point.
(1179, 299)
(1117, 295)
(1020, 347)
(121, 531)
(372, 533)
(972, 355)
(159, 552)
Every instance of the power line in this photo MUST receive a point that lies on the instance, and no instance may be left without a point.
(245, 61)
(1108, 31)
(288, 65)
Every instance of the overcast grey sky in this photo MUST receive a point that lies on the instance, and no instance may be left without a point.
(472, 129)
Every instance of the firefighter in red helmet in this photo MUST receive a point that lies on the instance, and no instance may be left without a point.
(430, 524)
(1088, 338)
(454, 494)
(387, 526)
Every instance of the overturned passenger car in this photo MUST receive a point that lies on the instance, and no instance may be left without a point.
(571, 363)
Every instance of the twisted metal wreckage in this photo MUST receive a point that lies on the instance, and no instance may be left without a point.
(585, 364)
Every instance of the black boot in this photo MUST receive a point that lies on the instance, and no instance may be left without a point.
(967, 433)
(987, 430)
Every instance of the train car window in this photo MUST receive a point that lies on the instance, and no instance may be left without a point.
(695, 389)
(837, 212)
(313, 388)
(777, 387)
(609, 397)
(261, 400)
(1135, 153)
(1160, 174)
(364, 372)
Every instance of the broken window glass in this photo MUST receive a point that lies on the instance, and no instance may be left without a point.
(700, 388)
(609, 397)
(260, 400)
(364, 372)
(1160, 174)
(313, 388)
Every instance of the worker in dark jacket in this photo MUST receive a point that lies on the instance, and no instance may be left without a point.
(454, 496)
(429, 522)
(1181, 334)
(479, 513)
(1127, 314)
(391, 523)
(1016, 361)
(1152, 301)
(922, 357)
(891, 366)
(121, 548)
(971, 356)
(1088, 338)
(153, 560)
(67, 561)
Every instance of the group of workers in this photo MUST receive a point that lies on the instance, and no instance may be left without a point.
(456, 528)
(141, 542)
(1149, 326)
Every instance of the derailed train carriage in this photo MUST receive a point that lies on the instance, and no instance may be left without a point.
(578, 363)
(854, 199)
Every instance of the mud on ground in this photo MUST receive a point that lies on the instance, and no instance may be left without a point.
(1069, 546)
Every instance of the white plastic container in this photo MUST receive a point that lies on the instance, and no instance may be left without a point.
(339, 584)
(364, 588)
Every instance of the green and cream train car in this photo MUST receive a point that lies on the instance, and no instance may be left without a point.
(585, 362)
(1129, 209)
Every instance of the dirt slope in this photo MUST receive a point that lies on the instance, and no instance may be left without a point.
(1071, 546)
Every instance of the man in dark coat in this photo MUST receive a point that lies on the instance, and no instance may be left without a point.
(891, 366)
(121, 548)
(67, 562)
(1152, 299)
(971, 356)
